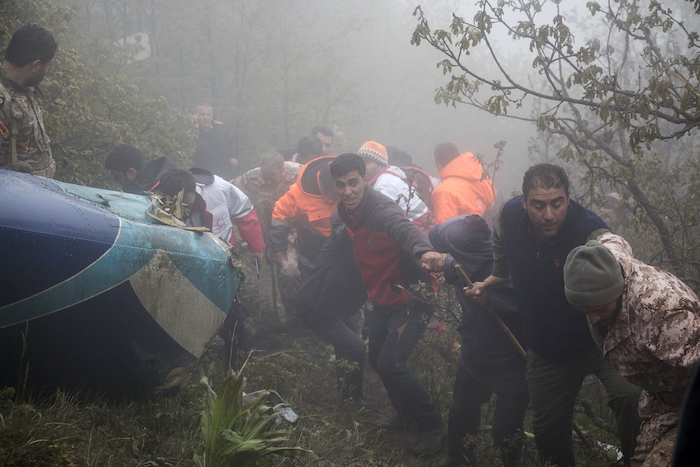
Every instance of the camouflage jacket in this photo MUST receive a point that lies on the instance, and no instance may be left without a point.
(264, 195)
(655, 339)
(20, 113)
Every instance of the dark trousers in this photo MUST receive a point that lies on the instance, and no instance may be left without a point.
(232, 331)
(393, 334)
(465, 416)
(554, 385)
(288, 285)
(348, 346)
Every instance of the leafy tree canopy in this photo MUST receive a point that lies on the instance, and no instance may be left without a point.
(91, 103)
(622, 103)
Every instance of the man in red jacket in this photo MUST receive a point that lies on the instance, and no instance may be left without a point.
(390, 250)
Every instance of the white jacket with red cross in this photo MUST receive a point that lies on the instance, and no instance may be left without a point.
(226, 206)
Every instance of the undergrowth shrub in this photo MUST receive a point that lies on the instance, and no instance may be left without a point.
(241, 434)
(157, 430)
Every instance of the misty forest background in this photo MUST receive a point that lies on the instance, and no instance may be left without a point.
(272, 70)
(609, 90)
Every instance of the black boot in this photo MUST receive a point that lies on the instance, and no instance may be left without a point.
(512, 455)
(457, 430)
(428, 441)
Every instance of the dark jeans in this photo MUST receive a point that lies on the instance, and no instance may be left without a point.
(465, 416)
(393, 334)
(554, 385)
(348, 346)
(687, 448)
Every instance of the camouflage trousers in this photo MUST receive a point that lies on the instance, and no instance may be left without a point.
(652, 451)
(48, 172)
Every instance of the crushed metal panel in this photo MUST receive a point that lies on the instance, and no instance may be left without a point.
(172, 305)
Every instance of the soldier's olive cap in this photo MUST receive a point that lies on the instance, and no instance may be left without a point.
(592, 276)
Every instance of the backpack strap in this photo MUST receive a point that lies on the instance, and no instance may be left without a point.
(6, 111)
(13, 143)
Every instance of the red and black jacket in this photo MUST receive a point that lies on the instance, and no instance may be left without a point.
(387, 248)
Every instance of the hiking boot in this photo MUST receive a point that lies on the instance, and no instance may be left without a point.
(394, 422)
(428, 441)
(358, 402)
(512, 457)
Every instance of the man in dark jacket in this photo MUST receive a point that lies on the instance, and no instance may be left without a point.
(532, 236)
(489, 361)
(135, 175)
(327, 302)
(387, 247)
(214, 145)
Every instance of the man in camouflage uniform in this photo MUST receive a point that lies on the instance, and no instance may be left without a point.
(647, 322)
(24, 144)
(265, 185)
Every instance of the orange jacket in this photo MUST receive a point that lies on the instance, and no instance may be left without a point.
(462, 190)
(301, 204)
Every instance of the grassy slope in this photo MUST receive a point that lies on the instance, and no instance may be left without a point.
(66, 429)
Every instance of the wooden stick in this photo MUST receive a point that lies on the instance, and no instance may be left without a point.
(583, 437)
(515, 342)
(494, 315)
(273, 279)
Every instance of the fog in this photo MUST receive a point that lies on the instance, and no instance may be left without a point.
(273, 69)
